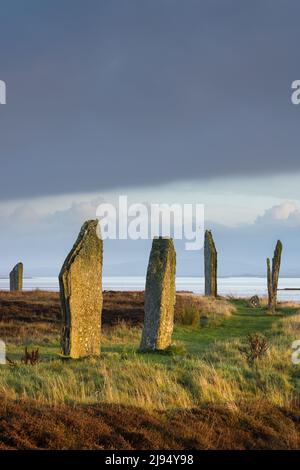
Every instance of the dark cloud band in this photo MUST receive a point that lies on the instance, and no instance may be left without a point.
(126, 93)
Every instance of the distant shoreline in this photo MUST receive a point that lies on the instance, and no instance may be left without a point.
(230, 276)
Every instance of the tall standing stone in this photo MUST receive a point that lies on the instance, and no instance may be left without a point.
(273, 277)
(210, 264)
(80, 282)
(160, 296)
(16, 278)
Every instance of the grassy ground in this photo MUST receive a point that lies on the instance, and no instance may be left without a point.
(201, 394)
(205, 366)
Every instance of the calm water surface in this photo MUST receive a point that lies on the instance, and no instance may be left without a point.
(235, 286)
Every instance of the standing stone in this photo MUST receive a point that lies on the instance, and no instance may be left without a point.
(210, 265)
(80, 282)
(160, 295)
(273, 277)
(16, 278)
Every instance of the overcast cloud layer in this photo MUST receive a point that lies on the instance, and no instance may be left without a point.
(103, 94)
(42, 241)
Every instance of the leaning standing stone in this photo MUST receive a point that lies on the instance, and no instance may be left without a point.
(273, 277)
(160, 295)
(16, 277)
(80, 282)
(210, 265)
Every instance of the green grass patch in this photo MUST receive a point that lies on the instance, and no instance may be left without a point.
(203, 366)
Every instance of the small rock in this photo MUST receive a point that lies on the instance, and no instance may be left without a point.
(203, 321)
(254, 301)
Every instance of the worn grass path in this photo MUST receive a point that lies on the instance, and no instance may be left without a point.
(246, 320)
(196, 341)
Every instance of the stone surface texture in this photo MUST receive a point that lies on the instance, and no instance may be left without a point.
(16, 278)
(80, 283)
(210, 265)
(273, 277)
(160, 295)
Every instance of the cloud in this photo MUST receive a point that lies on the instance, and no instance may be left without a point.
(75, 215)
(42, 241)
(286, 213)
(27, 224)
(24, 215)
(150, 92)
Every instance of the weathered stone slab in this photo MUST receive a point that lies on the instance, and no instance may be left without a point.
(210, 265)
(273, 277)
(80, 283)
(160, 295)
(16, 277)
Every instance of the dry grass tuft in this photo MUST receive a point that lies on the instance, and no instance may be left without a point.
(190, 307)
(281, 304)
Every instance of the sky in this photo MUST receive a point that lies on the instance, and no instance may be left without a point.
(161, 100)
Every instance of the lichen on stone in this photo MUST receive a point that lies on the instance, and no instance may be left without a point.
(16, 278)
(80, 283)
(210, 264)
(160, 294)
